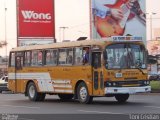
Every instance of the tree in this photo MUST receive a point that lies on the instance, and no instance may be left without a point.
(3, 43)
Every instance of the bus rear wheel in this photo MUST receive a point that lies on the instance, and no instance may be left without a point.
(83, 95)
(65, 96)
(122, 98)
(33, 94)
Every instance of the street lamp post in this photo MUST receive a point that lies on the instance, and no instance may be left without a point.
(63, 28)
(5, 23)
(151, 25)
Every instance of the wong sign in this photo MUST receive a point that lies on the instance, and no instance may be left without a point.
(35, 20)
(118, 18)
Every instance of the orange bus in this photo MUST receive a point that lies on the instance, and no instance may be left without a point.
(80, 70)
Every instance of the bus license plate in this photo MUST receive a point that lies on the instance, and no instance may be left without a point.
(118, 75)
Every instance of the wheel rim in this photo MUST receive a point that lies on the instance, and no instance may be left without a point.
(83, 93)
(32, 91)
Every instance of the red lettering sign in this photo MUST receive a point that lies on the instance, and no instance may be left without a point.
(36, 18)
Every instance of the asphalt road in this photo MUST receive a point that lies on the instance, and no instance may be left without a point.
(137, 104)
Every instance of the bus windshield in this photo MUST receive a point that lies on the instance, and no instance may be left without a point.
(125, 56)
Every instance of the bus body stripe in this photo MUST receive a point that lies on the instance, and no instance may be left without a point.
(43, 79)
(45, 83)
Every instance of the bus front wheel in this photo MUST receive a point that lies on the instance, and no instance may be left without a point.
(83, 95)
(33, 94)
(122, 98)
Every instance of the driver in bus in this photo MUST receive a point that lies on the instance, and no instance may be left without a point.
(111, 62)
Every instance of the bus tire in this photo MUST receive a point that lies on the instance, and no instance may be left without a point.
(33, 94)
(122, 98)
(41, 96)
(65, 96)
(83, 94)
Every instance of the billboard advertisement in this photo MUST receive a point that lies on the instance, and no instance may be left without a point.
(118, 18)
(35, 20)
(153, 47)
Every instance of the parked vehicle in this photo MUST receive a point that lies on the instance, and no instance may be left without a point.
(153, 77)
(3, 84)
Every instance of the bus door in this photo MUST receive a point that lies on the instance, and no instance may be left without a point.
(98, 83)
(18, 68)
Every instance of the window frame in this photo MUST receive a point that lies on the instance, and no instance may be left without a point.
(90, 53)
(37, 65)
(29, 58)
(44, 60)
(10, 59)
(74, 54)
(66, 56)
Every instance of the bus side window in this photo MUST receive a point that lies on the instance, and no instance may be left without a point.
(62, 57)
(69, 59)
(34, 58)
(78, 56)
(47, 57)
(54, 57)
(51, 57)
(12, 60)
(27, 60)
(40, 57)
(18, 63)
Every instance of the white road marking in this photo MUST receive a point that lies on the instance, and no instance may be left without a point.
(20, 106)
(10, 99)
(98, 112)
(153, 107)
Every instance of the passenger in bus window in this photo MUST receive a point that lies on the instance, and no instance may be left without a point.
(86, 55)
(131, 58)
(123, 60)
(111, 62)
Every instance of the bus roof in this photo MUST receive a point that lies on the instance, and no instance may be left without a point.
(64, 45)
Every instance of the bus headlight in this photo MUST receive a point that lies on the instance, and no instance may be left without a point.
(114, 84)
(145, 82)
(108, 84)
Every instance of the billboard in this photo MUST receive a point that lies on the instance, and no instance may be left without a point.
(35, 21)
(153, 47)
(117, 18)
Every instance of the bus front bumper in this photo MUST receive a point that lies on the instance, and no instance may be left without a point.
(127, 90)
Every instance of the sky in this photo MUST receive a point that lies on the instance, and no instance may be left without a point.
(73, 14)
